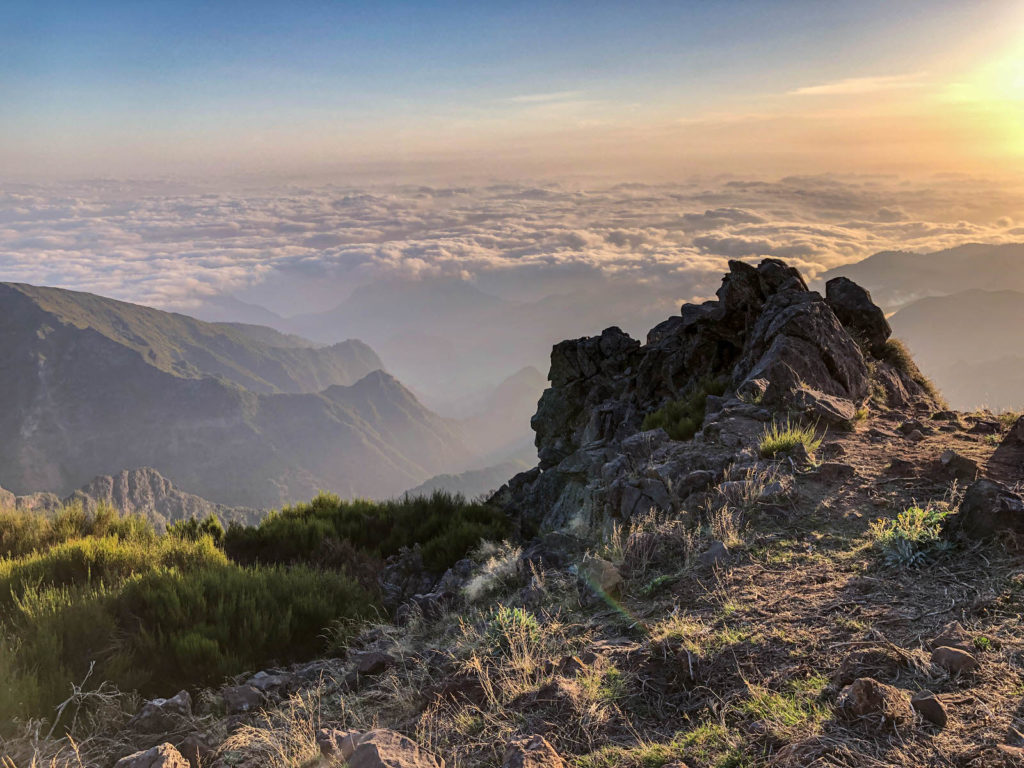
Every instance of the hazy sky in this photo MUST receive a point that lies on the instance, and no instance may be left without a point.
(401, 90)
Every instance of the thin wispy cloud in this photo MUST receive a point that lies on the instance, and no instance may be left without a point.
(544, 98)
(854, 86)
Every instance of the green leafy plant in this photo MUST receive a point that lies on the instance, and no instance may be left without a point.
(913, 539)
(783, 438)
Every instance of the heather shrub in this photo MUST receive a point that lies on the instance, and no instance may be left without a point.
(446, 527)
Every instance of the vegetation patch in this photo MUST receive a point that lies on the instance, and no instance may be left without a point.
(913, 538)
(682, 418)
(784, 438)
(446, 526)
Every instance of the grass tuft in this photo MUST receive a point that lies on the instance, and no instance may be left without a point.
(783, 438)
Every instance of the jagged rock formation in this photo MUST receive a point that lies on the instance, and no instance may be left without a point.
(92, 386)
(142, 491)
(777, 346)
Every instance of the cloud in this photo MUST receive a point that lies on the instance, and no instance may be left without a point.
(854, 86)
(543, 98)
(300, 249)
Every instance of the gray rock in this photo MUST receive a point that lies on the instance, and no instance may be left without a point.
(987, 508)
(162, 756)
(858, 314)
(826, 409)
(388, 749)
(239, 699)
(337, 744)
(161, 715)
(531, 752)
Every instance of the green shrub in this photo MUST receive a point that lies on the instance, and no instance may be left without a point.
(22, 531)
(783, 438)
(193, 530)
(912, 539)
(182, 616)
(446, 526)
(682, 418)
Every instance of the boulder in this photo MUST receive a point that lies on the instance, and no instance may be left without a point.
(954, 660)
(766, 343)
(371, 663)
(930, 707)
(865, 697)
(196, 749)
(336, 744)
(987, 508)
(267, 682)
(531, 752)
(389, 749)
(160, 715)
(825, 409)
(161, 756)
(956, 466)
(854, 308)
(239, 699)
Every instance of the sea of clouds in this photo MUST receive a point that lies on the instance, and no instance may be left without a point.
(296, 249)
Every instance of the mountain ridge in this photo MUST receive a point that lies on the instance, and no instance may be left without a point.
(83, 404)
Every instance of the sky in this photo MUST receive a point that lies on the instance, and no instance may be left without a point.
(403, 91)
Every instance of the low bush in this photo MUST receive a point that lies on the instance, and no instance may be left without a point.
(682, 418)
(446, 526)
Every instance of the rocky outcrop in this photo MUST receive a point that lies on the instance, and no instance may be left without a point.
(775, 345)
(146, 492)
(853, 307)
(988, 507)
(143, 492)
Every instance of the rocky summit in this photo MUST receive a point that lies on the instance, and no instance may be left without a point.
(758, 539)
(766, 344)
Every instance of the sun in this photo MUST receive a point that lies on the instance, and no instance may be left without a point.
(986, 105)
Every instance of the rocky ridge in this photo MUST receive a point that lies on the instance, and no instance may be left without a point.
(777, 346)
(142, 491)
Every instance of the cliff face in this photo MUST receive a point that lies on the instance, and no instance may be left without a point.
(769, 344)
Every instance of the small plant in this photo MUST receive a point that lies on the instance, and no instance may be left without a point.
(514, 631)
(913, 538)
(983, 643)
(682, 418)
(785, 437)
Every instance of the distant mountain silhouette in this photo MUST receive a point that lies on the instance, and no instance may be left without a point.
(92, 386)
(447, 338)
(970, 343)
(896, 278)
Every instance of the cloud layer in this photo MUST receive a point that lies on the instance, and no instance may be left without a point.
(297, 249)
